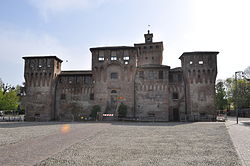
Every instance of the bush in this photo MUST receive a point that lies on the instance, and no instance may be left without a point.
(122, 110)
(94, 110)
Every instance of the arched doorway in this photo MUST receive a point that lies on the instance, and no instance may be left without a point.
(113, 99)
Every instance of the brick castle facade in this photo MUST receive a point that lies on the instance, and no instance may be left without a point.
(132, 75)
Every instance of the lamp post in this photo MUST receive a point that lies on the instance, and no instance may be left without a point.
(236, 93)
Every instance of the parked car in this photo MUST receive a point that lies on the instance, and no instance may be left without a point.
(221, 117)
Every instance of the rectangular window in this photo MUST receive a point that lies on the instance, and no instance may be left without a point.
(114, 76)
(151, 114)
(92, 96)
(151, 75)
(179, 78)
(113, 56)
(101, 56)
(160, 74)
(48, 62)
(141, 74)
(63, 96)
(175, 96)
(171, 78)
(87, 79)
(126, 58)
(200, 62)
(40, 63)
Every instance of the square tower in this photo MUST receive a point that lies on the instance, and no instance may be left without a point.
(149, 52)
(40, 75)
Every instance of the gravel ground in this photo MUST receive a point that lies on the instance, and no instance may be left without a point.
(15, 132)
(206, 144)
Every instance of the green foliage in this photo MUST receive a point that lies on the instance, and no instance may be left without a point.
(9, 98)
(241, 96)
(221, 101)
(122, 110)
(94, 110)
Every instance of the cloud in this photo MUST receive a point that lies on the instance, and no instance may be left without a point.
(54, 7)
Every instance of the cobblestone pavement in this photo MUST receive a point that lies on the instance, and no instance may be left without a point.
(117, 143)
(240, 134)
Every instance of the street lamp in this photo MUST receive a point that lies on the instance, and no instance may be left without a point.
(242, 74)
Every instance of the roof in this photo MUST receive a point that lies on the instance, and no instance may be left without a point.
(153, 66)
(112, 48)
(199, 52)
(76, 72)
(148, 43)
(32, 57)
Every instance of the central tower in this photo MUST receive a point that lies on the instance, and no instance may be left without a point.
(149, 52)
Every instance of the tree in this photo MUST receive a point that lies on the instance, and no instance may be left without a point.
(242, 95)
(9, 99)
(221, 101)
(94, 110)
(122, 110)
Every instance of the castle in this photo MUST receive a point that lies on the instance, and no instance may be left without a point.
(134, 76)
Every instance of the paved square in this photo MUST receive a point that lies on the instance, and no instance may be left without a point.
(119, 143)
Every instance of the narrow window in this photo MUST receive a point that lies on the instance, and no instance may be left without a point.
(191, 62)
(141, 74)
(57, 65)
(150, 114)
(48, 63)
(179, 77)
(171, 78)
(101, 56)
(175, 96)
(92, 96)
(126, 62)
(114, 76)
(40, 63)
(63, 96)
(87, 79)
(113, 56)
(160, 74)
(151, 75)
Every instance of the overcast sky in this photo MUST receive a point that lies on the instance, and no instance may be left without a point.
(68, 28)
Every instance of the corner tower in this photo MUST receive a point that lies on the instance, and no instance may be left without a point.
(199, 72)
(149, 52)
(40, 75)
